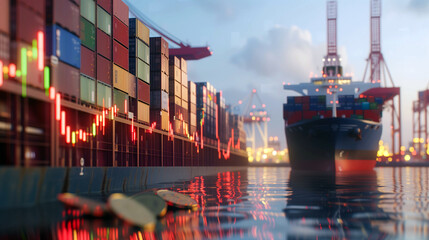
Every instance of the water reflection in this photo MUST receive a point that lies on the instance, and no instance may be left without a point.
(259, 203)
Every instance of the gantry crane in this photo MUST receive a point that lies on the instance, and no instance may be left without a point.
(185, 51)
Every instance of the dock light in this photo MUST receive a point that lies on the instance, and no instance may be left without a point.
(52, 93)
(80, 134)
(12, 70)
(263, 105)
(41, 50)
(254, 91)
(63, 123)
(24, 71)
(68, 134)
(253, 106)
(125, 106)
(94, 131)
(317, 90)
(97, 120)
(73, 138)
(407, 158)
(46, 78)
(84, 136)
(58, 107)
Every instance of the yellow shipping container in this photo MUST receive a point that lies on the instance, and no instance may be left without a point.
(142, 32)
(164, 120)
(185, 93)
(184, 78)
(185, 104)
(120, 78)
(143, 112)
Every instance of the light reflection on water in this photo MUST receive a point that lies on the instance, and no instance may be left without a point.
(262, 203)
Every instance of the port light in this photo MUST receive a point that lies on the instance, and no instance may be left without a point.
(68, 134)
(52, 93)
(40, 50)
(1, 74)
(24, 71)
(12, 70)
(58, 107)
(94, 129)
(63, 123)
(407, 158)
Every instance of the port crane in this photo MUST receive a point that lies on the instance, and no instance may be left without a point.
(184, 50)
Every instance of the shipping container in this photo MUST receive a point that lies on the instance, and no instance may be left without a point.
(37, 6)
(34, 77)
(193, 119)
(132, 86)
(158, 81)
(4, 17)
(139, 49)
(120, 32)
(120, 78)
(192, 96)
(120, 99)
(104, 44)
(121, 11)
(185, 105)
(185, 93)
(143, 91)
(161, 118)
(104, 21)
(175, 88)
(175, 110)
(66, 79)
(87, 10)
(87, 89)
(159, 100)
(4, 48)
(64, 45)
(120, 55)
(158, 45)
(183, 65)
(175, 73)
(192, 108)
(25, 24)
(104, 70)
(65, 13)
(139, 30)
(143, 112)
(174, 61)
(140, 68)
(106, 5)
(184, 79)
(87, 34)
(158, 63)
(104, 95)
(87, 62)
(176, 100)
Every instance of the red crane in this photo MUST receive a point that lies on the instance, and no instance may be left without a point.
(185, 51)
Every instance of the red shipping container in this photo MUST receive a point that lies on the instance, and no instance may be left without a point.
(371, 99)
(306, 106)
(87, 62)
(4, 17)
(4, 48)
(66, 79)
(328, 113)
(120, 55)
(306, 99)
(104, 44)
(37, 6)
(106, 5)
(298, 99)
(120, 10)
(345, 113)
(359, 112)
(26, 23)
(372, 115)
(104, 70)
(66, 13)
(120, 32)
(143, 91)
(309, 114)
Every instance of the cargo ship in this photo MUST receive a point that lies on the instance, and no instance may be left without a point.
(83, 84)
(335, 125)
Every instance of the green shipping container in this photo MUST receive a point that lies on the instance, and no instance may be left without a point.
(87, 34)
(104, 92)
(104, 21)
(143, 51)
(143, 71)
(120, 99)
(87, 10)
(87, 89)
(373, 106)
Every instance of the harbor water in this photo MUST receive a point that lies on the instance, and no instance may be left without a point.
(258, 203)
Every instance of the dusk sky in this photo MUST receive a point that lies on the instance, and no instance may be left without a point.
(261, 44)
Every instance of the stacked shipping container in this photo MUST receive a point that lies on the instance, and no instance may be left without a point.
(159, 83)
(175, 95)
(192, 97)
(139, 66)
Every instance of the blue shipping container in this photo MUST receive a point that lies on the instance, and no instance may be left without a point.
(365, 106)
(63, 44)
(291, 100)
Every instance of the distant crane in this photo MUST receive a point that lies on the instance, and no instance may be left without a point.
(185, 50)
(379, 73)
(255, 117)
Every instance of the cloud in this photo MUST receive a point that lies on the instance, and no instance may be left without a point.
(222, 9)
(419, 5)
(284, 53)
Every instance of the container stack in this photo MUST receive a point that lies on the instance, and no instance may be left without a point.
(192, 96)
(4, 33)
(222, 128)
(120, 57)
(175, 95)
(206, 102)
(237, 124)
(185, 97)
(159, 83)
(315, 107)
(139, 66)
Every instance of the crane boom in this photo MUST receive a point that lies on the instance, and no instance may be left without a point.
(185, 51)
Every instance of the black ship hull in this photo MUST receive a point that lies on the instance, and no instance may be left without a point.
(333, 144)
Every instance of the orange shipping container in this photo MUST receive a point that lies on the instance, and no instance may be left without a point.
(183, 65)
(132, 85)
(120, 78)
(184, 79)
(185, 93)
(185, 104)
(143, 112)
(175, 73)
(142, 32)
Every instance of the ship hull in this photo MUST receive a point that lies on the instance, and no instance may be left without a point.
(333, 144)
